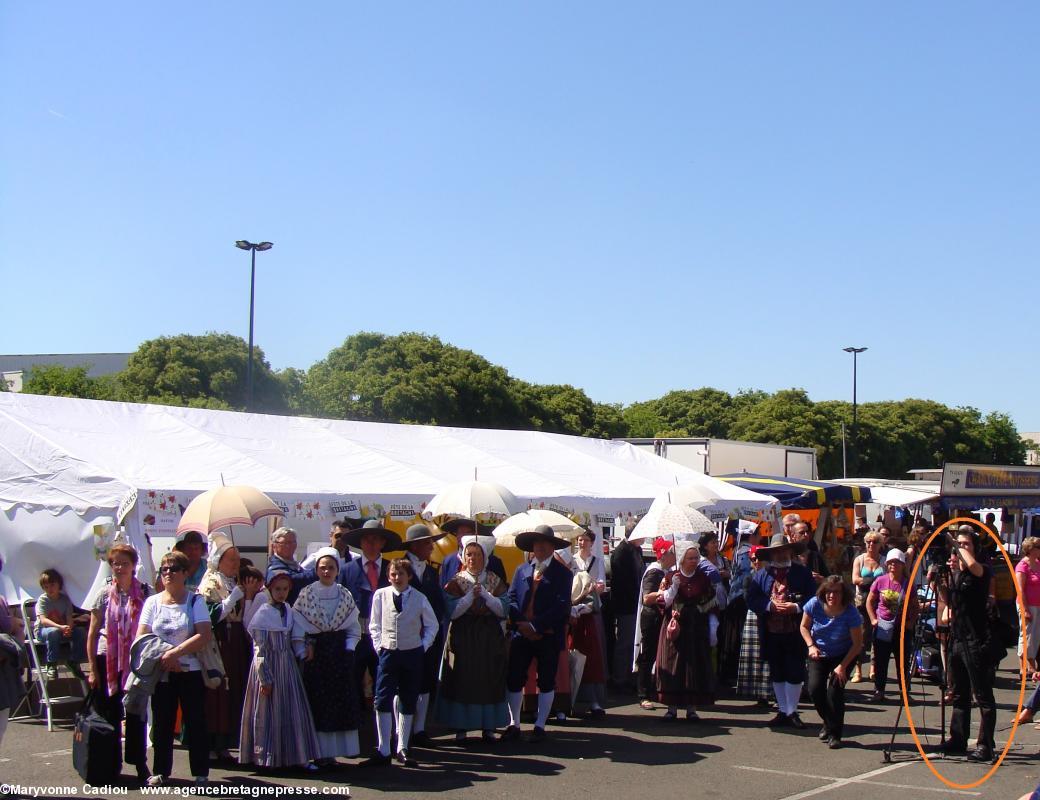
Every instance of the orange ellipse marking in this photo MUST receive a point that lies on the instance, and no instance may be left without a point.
(902, 659)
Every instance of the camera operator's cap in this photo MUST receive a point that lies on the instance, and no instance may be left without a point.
(895, 554)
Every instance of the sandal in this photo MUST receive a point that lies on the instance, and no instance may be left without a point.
(647, 705)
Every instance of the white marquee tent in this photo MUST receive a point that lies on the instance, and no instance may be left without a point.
(72, 470)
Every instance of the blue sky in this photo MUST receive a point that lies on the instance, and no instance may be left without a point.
(629, 199)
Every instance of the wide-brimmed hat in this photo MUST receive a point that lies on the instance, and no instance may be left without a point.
(778, 543)
(421, 533)
(525, 541)
(391, 541)
(581, 586)
(452, 525)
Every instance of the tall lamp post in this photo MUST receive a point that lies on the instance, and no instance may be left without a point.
(855, 453)
(242, 244)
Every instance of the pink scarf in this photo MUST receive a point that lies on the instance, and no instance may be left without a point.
(120, 629)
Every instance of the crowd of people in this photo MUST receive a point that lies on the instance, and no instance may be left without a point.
(287, 665)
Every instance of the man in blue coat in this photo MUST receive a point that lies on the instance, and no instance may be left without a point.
(362, 576)
(777, 595)
(418, 545)
(540, 605)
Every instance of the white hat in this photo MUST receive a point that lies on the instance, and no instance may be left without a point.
(327, 552)
(895, 554)
(218, 545)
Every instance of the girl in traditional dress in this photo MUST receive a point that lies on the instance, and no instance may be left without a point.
(225, 598)
(472, 695)
(277, 727)
(685, 676)
(328, 616)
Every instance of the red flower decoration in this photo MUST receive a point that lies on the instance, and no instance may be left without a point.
(309, 514)
(317, 506)
(151, 494)
(172, 499)
(162, 506)
(299, 506)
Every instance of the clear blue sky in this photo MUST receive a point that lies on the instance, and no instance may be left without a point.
(630, 198)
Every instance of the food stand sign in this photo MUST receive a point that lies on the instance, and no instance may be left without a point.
(991, 481)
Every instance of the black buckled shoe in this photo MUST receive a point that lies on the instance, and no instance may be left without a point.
(795, 721)
(781, 720)
(981, 754)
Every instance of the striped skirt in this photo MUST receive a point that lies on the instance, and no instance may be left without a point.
(277, 730)
(753, 670)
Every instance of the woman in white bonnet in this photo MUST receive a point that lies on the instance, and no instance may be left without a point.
(473, 673)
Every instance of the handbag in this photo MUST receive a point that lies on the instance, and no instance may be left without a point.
(209, 657)
(671, 632)
(95, 746)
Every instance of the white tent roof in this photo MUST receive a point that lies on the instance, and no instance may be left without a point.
(81, 454)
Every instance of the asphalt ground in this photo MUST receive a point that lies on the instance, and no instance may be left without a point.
(631, 753)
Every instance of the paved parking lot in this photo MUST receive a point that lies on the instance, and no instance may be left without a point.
(632, 753)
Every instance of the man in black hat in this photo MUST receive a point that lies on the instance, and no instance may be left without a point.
(418, 545)
(777, 595)
(540, 604)
(362, 576)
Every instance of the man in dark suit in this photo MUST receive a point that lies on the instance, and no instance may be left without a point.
(362, 576)
(777, 595)
(418, 545)
(540, 605)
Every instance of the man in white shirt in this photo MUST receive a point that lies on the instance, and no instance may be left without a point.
(403, 627)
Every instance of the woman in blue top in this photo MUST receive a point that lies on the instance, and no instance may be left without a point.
(833, 630)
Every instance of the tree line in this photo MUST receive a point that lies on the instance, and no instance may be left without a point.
(417, 378)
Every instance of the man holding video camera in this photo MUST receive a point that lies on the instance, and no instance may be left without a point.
(974, 651)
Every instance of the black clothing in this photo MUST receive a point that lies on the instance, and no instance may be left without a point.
(626, 573)
(970, 664)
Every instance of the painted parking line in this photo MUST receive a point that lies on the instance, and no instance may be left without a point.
(864, 777)
(55, 753)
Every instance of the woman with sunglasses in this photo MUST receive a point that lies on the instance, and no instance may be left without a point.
(833, 630)
(181, 620)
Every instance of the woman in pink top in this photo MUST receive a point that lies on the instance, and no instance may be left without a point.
(885, 609)
(1027, 573)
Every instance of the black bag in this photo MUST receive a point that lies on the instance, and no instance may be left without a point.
(95, 746)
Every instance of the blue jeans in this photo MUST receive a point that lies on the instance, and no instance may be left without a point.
(61, 649)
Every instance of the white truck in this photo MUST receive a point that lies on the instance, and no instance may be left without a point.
(725, 456)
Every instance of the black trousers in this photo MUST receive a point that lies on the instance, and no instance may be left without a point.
(883, 651)
(786, 654)
(365, 660)
(111, 708)
(828, 696)
(650, 630)
(730, 631)
(545, 652)
(970, 675)
(187, 689)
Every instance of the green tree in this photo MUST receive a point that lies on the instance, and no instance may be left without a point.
(60, 381)
(206, 371)
(411, 378)
(642, 420)
(565, 409)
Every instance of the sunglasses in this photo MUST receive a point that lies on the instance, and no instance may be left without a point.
(169, 570)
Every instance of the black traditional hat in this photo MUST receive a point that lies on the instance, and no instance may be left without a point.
(525, 541)
(391, 541)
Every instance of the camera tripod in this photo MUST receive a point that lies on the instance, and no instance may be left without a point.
(938, 586)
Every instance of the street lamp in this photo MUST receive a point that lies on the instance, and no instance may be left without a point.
(242, 244)
(855, 352)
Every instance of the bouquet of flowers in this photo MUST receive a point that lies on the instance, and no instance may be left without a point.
(891, 599)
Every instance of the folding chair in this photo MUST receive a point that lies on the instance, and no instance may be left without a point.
(36, 648)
